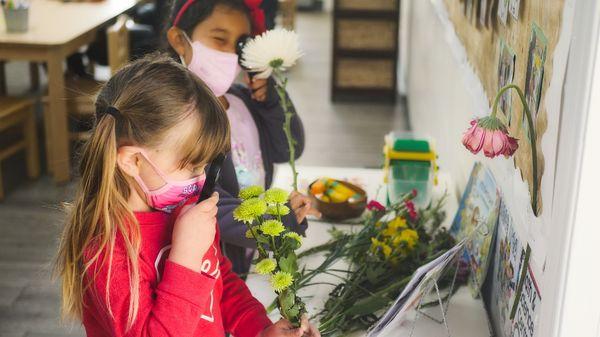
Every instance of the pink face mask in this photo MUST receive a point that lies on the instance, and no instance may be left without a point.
(173, 194)
(216, 68)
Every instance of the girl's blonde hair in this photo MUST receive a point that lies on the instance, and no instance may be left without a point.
(150, 96)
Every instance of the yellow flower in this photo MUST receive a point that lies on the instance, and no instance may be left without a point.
(281, 210)
(266, 266)
(393, 227)
(272, 227)
(398, 222)
(251, 192)
(294, 236)
(276, 196)
(281, 280)
(385, 248)
(249, 210)
(408, 238)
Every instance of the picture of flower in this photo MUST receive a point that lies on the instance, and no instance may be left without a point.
(506, 73)
(535, 73)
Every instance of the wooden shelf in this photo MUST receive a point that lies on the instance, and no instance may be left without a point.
(364, 66)
(364, 94)
(363, 53)
(367, 14)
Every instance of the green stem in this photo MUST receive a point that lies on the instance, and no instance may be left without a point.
(274, 248)
(532, 137)
(259, 246)
(280, 86)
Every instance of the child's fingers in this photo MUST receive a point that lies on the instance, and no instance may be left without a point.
(260, 95)
(304, 322)
(285, 328)
(209, 203)
(185, 209)
(315, 212)
(257, 84)
(301, 213)
(313, 332)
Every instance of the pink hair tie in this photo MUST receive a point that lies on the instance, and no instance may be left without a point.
(184, 8)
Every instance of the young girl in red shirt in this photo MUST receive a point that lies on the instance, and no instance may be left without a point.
(137, 256)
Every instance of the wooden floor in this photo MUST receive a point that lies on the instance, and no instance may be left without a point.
(30, 217)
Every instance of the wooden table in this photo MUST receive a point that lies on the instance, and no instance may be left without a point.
(56, 30)
(466, 316)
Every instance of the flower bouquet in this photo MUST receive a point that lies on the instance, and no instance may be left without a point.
(271, 54)
(262, 212)
(382, 257)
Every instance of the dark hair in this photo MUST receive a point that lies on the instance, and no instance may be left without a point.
(197, 12)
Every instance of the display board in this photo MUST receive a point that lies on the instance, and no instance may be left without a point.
(512, 41)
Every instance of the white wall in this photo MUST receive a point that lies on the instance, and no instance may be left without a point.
(440, 106)
(438, 103)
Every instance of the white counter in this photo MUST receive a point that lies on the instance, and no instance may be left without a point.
(466, 316)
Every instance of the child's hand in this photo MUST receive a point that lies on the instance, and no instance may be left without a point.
(194, 232)
(259, 88)
(284, 328)
(301, 205)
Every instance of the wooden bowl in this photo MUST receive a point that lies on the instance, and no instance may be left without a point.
(341, 210)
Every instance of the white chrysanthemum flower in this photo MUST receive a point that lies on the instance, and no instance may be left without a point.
(274, 49)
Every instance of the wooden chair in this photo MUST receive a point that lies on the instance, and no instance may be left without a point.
(81, 92)
(118, 44)
(287, 10)
(19, 112)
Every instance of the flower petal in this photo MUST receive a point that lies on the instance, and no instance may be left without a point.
(512, 145)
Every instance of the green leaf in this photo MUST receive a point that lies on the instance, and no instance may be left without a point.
(288, 264)
(294, 311)
(287, 299)
(262, 239)
(373, 274)
(367, 305)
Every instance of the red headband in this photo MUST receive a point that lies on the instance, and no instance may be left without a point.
(256, 13)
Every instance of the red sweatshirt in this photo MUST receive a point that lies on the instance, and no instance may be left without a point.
(174, 300)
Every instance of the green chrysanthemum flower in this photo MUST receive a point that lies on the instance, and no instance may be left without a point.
(282, 211)
(294, 236)
(281, 281)
(272, 227)
(251, 192)
(276, 196)
(266, 266)
(249, 210)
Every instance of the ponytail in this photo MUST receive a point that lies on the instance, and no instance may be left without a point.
(98, 214)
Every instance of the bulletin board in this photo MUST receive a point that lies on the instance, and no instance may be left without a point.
(480, 37)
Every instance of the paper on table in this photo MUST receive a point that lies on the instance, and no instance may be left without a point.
(415, 289)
